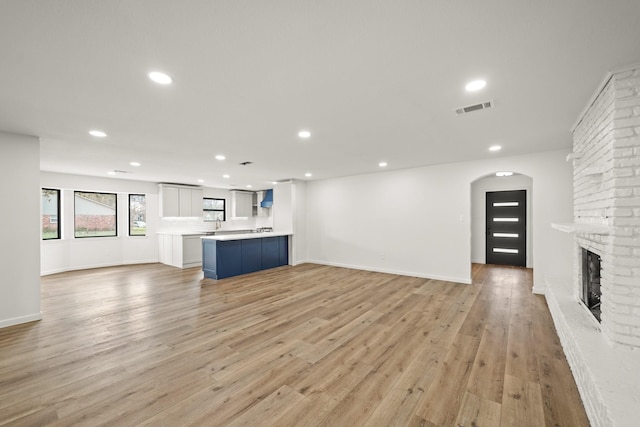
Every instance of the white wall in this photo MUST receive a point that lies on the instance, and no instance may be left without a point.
(300, 222)
(417, 221)
(20, 219)
(283, 207)
(479, 189)
(69, 253)
(289, 216)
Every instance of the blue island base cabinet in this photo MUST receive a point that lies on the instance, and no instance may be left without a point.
(226, 258)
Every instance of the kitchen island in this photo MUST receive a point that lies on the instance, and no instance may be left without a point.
(235, 254)
(180, 249)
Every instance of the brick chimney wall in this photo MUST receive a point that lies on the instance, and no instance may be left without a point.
(606, 181)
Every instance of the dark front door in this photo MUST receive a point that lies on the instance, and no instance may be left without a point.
(507, 227)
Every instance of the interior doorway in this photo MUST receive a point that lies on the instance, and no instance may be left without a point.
(506, 228)
(493, 182)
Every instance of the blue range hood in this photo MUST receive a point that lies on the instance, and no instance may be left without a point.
(267, 202)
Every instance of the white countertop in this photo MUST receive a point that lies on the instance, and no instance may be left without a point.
(202, 232)
(183, 233)
(246, 236)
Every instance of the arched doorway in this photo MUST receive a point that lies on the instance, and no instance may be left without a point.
(491, 184)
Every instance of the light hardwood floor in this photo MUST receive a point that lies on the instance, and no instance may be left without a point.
(293, 346)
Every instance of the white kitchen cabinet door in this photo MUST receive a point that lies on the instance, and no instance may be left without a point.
(196, 202)
(185, 202)
(247, 204)
(169, 201)
(162, 257)
(242, 204)
(166, 248)
(176, 248)
(191, 251)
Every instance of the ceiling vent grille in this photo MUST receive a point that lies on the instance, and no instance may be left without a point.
(476, 107)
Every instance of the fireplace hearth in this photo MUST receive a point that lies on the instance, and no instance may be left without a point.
(603, 352)
(591, 273)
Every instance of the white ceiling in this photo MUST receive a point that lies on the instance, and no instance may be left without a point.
(372, 80)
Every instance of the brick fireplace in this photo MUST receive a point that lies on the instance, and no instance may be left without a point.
(606, 163)
(604, 354)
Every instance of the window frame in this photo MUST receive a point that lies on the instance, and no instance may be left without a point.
(75, 236)
(223, 210)
(145, 215)
(58, 219)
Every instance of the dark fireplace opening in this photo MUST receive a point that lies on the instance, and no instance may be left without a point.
(591, 282)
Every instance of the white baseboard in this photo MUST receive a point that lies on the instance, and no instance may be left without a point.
(90, 266)
(21, 319)
(538, 290)
(192, 264)
(466, 281)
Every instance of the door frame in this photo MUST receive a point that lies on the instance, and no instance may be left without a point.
(520, 227)
(478, 189)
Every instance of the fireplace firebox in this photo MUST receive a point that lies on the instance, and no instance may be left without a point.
(591, 282)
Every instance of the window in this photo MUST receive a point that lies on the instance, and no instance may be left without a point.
(214, 209)
(95, 214)
(137, 215)
(50, 214)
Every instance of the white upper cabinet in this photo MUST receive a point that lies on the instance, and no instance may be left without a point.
(169, 201)
(241, 204)
(197, 196)
(181, 201)
(184, 202)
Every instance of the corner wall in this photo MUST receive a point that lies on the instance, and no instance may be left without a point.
(289, 216)
(417, 221)
(20, 219)
(69, 253)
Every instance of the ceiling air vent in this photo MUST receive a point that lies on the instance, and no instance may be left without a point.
(476, 107)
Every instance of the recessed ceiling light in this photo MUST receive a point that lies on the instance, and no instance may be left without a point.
(134, 163)
(249, 185)
(304, 134)
(111, 173)
(226, 176)
(504, 173)
(495, 148)
(308, 174)
(220, 157)
(97, 133)
(475, 85)
(274, 182)
(382, 164)
(160, 78)
(201, 181)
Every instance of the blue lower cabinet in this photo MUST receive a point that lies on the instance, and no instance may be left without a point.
(229, 259)
(226, 258)
(209, 259)
(251, 255)
(283, 250)
(270, 252)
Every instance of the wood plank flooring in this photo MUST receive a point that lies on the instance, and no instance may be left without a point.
(308, 345)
